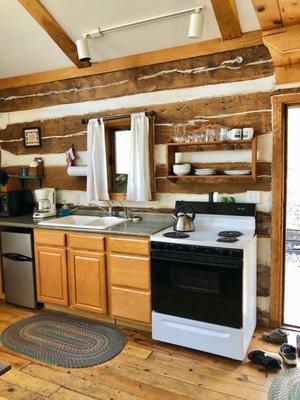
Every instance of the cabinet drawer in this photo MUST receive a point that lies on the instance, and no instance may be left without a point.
(130, 304)
(129, 271)
(128, 245)
(83, 241)
(48, 237)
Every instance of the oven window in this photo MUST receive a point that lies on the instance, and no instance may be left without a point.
(195, 281)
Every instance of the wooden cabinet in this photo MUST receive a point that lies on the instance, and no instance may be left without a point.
(51, 274)
(87, 274)
(71, 271)
(129, 278)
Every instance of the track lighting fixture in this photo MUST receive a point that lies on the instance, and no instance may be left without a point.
(196, 23)
(83, 49)
(83, 46)
(195, 29)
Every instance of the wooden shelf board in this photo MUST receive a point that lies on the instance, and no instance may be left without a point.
(213, 178)
(226, 142)
(26, 177)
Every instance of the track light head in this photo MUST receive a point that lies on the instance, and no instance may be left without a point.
(83, 49)
(83, 46)
(196, 23)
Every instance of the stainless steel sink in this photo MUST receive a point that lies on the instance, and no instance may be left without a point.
(84, 221)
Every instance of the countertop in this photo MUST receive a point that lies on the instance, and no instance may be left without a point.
(149, 224)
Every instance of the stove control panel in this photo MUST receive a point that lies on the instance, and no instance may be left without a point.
(186, 248)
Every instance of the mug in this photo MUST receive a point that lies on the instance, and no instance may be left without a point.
(235, 134)
(248, 133)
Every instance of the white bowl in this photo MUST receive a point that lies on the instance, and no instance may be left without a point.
(205, 171)
(181, 169)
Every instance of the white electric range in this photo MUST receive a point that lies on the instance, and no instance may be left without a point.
(204, 283)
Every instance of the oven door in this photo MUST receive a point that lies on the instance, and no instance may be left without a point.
(198, 287)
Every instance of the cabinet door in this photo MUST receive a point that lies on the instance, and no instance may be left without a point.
(51, 275)
(88, 281)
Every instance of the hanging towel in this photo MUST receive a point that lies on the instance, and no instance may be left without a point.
(138, 186)
(70, 156)
(96, 183)
(3, 120)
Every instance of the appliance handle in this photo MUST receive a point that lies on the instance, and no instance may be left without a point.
(189, 207)
(16, 257)
(214, 264)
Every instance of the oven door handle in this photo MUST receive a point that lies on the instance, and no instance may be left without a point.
(234, 266)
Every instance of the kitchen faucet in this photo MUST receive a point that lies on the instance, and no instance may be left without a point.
(124, 208)
(109, 211)
(110, 208)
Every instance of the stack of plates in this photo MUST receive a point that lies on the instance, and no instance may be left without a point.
(205, 171)
(237, 172)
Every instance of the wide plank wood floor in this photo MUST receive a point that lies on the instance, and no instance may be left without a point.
(145, 369)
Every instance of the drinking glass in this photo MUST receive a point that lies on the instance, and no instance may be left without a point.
(210, 134)
(224, 133)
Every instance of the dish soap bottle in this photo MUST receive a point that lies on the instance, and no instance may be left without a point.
(65, 211)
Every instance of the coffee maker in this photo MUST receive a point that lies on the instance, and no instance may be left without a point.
(46, 203)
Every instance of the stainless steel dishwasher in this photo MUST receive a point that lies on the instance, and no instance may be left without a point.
(18, 267)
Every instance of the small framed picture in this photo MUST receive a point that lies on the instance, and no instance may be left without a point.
(32, 137)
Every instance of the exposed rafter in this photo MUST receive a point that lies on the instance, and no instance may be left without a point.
(227, 18)
(268, 14)
(54, 30)
(290, 12)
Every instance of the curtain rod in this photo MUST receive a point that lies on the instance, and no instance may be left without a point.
(115, 117)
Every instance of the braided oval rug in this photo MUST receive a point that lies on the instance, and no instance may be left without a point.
(65, 340)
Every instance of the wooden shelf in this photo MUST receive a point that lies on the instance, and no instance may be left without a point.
(213, 178)
(224, 142)
(28, 177)
(232, 145)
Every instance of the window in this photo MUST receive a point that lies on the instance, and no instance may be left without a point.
(120, 160)
(117, 149)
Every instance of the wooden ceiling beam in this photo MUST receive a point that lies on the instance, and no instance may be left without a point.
(268, 14)
(54, 30)
(290, 12)
(284, 45)
(287, 74)
(227, 18)
(213, 46)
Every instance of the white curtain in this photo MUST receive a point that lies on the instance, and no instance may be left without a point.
(97, 185)
(138, 186)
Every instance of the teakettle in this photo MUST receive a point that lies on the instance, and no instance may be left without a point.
(184, 222)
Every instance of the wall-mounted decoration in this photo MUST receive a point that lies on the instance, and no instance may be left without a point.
(32, 137)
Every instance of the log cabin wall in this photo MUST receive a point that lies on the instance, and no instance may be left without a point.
(233, 88)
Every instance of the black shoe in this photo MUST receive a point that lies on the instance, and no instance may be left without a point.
(265, 359)
(288, 353)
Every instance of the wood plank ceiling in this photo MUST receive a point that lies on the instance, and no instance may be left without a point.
(280, 24)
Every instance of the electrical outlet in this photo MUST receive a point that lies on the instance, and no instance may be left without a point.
(253, 196)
